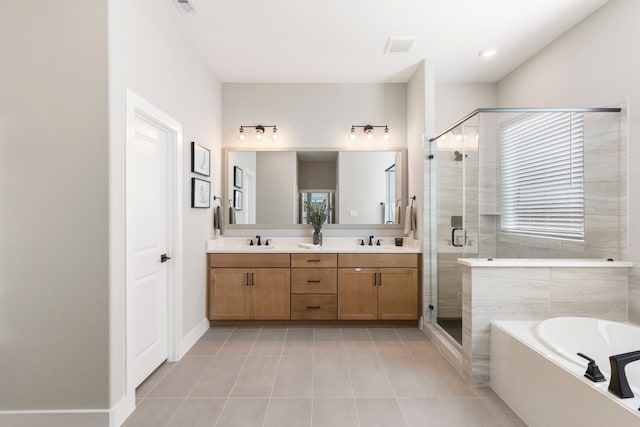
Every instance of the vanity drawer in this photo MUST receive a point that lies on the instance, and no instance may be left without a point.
(378, 260)
(314, 280)
(314, 260)
(249, 260)
(314, 307)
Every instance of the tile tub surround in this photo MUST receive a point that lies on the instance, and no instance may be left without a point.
(533, 289)
(323, 376)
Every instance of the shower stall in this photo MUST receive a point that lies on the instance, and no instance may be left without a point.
(521, 183)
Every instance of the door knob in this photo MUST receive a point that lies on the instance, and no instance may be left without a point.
(164, 258)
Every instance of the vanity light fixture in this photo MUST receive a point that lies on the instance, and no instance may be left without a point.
(259, 132)
(368, 131)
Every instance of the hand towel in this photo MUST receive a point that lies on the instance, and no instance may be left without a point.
(398, 215)
(232, 215)
(217, 218)
(408, 220)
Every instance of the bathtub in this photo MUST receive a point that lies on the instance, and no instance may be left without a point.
(535, 370)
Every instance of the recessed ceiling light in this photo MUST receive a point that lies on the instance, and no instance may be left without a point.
(487, 53)
(399, 44)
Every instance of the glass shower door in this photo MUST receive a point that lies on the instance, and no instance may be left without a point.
(455, 185)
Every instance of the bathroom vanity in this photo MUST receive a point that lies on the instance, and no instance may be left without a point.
(329, 285)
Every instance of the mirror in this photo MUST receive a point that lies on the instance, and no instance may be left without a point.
(270, 187)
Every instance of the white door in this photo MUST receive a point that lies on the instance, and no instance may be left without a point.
(147, 217)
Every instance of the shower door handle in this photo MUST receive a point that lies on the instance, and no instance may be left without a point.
(453, 237)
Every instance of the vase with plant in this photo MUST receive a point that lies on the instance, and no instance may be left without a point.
(317, 214)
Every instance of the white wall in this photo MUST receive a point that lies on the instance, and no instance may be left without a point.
(313, 114)
(150, 55)
(593, 64)
(54, 277)
(456, 100)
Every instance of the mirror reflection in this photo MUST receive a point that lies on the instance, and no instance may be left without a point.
(270, 187)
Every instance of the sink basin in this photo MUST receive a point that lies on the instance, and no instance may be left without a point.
(308, 245)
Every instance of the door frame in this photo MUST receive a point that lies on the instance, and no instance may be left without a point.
(137, 106)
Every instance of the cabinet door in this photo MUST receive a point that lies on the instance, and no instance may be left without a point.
(357, 293)
(398, 294)
(229, 294)
(271, 294)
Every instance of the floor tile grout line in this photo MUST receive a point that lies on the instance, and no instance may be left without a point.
(313, 364)
(198, 379)
(246, 357)
(173, 364)
(492, 412)
(275, 377)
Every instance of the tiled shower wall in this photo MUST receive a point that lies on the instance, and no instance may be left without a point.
(634, 295)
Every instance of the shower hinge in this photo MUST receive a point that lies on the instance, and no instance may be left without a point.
(431, 307)
(430, 156)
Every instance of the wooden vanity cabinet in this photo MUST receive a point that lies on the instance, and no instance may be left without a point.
(378, 286)
(314, 285)
(255, 287)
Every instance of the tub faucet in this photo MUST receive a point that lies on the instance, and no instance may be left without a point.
(259, 241)
(619, 385)
(593, 372)
(370, 240)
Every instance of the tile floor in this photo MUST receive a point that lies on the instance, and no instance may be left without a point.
(322, 376)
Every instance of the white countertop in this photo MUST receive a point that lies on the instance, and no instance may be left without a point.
(299, 245)
(541, 262)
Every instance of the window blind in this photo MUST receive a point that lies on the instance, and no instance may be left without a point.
(542, 176)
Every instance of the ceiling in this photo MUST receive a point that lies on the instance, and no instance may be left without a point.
(295, 41)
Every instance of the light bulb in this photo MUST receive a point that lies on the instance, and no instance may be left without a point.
(387, 135)
(241, 134)
(369, 135)
(352, 134)
(259, 135)
(274, 136)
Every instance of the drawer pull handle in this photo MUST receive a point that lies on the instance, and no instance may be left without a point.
(314, 281)
(313, 306)
(313, 260)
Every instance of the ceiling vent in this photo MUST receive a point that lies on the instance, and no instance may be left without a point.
(399, 44)
(185, 6)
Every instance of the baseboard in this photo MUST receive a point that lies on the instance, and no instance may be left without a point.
(119, 413)
(55, 418)
(193, 336)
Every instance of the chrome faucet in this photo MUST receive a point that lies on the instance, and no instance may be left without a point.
(619, 385)
(370, 240)
(259, 241)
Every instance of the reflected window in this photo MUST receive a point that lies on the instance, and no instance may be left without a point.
(308, 197)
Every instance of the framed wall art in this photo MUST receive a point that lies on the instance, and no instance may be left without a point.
(200, 159)
(237, 177)
(237, 200)
(200, 193)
